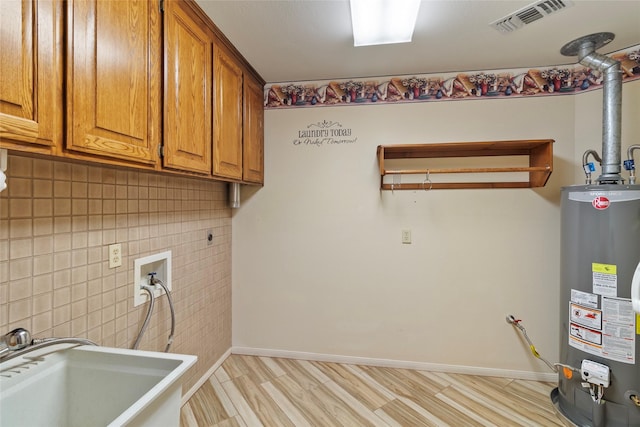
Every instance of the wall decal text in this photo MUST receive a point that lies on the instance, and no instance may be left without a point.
(324, 133)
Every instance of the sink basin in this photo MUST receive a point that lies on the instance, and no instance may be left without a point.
(71, 386)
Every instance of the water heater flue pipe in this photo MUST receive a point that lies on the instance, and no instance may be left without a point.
(585, 48)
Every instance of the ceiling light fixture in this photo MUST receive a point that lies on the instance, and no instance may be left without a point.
(383, 21)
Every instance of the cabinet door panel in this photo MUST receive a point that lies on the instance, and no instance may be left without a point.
(187, 125)
(253, 138)
(227, 125)
(30, 75)
(114, 79)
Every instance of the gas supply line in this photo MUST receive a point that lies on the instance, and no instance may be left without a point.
(592, 374)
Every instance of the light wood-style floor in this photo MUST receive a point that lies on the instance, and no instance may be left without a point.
(260, 391)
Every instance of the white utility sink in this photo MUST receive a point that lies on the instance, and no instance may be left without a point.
(62, 385)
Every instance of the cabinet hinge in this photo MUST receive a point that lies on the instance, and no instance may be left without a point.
(161, 150)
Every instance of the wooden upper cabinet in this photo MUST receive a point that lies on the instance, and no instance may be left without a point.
(253, 137)
(30, 75)
(188, 48)
(227, 123)
(114, 79)
(83, 79)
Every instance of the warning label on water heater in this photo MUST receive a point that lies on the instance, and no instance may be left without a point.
(608, 333)
(605, 279)
(590, 336)
(586, 316)
(584, 298)
(619, 338)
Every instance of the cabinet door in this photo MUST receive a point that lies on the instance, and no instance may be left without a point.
(253, 137)
(187, 120)
(114, 78)
(227, 124)
(30, 75)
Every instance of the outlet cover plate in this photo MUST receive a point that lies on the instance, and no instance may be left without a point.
(115, 255)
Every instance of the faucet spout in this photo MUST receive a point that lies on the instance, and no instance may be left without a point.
(15, 340)
(19, 342)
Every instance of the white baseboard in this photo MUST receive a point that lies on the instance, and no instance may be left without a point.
(401, 364)
(204, 378)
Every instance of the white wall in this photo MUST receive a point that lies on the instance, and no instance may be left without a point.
(318, 264)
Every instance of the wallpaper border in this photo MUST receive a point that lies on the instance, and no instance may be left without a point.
(495, 84)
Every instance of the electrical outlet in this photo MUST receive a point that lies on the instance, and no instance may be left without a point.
(406, 236)
(115, 255)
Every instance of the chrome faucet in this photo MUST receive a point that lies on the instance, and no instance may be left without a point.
(15, 340)
(19, 342)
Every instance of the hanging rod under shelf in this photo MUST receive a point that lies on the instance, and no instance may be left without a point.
(453, 185)
(466, 170)
(538, 151)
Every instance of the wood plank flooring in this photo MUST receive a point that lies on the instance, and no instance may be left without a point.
(260, 391)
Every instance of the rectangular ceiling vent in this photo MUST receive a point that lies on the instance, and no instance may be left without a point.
(529, 14)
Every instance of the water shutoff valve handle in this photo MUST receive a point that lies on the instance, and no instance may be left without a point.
(152, 277)
(629, 165)
(589, 167)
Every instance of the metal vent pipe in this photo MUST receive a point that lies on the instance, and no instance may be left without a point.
(585, 48)
(234, 195)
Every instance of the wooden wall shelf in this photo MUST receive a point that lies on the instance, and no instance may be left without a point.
(539, 152)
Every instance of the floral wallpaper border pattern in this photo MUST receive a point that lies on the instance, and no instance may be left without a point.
(557, 80)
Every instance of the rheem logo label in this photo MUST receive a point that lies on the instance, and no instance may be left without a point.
(600, 203)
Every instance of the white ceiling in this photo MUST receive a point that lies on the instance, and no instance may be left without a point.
(294, 40)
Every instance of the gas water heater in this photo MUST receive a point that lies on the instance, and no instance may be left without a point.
(599, 379)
